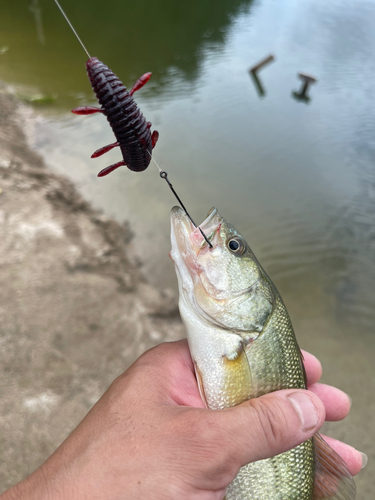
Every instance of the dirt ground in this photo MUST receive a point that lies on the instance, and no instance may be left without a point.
(75, 310)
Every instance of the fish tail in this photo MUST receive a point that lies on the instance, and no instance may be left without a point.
(332, 480)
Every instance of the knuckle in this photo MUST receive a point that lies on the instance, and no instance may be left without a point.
(152, 361)
(136, 384)
(157, 358)
(215, 449)
(203, 429)
(154, 354)
(204, 434)
(149, 374)
(271, 420)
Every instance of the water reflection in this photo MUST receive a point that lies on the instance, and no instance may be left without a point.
(162, 36)
(257, 84)
(37, 11)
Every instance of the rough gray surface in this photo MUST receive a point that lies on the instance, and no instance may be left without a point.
(75, 311)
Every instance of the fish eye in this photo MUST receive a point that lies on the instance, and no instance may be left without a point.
(237, 245)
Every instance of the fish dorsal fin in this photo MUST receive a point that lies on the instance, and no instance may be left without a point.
(332, 478)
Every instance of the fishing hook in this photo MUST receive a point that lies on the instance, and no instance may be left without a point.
(164, 175)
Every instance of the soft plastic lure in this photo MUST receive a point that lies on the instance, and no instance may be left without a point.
(130, 127)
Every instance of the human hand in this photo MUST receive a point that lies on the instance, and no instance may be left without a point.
(149, 435)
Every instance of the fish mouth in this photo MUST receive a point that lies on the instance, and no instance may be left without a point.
(188, 243)
(188, 238)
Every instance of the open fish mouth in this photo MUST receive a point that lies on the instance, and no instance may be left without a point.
(190, 251)
(189, 238)
(188, 243)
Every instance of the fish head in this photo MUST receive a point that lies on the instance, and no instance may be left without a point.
(222, 283)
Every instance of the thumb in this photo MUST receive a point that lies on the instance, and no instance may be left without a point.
(269, 425)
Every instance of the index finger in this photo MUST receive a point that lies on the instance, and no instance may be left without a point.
(312, 366)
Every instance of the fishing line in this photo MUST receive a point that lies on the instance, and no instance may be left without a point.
(70, 24)
(163, 174)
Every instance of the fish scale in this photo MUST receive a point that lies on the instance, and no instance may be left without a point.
(243, 346)
(289, 475)
(285, 476)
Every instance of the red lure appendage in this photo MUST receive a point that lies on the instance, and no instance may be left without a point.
(130, 127)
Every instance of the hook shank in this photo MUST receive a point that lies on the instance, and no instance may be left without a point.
(164, 175)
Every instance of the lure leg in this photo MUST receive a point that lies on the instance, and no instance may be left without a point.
(86, 110)
(111, 168)
(140, 82)
(149, 124)
(104, 149)
(154, 138)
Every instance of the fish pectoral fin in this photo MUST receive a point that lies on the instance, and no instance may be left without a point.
(332, 480)
(237, 380)
(199, 378)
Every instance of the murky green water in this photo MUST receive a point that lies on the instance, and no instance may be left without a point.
(298, 179)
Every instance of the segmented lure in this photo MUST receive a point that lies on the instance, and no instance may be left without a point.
(130, 127)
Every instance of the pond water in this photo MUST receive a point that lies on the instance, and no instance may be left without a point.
(296, 178)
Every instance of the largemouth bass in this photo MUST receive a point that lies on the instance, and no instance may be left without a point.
(243, 346)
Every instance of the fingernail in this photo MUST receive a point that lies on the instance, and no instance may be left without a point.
(350, 400)
(364, 459)
(305, 409)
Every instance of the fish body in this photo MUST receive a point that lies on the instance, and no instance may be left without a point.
(243, 346)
